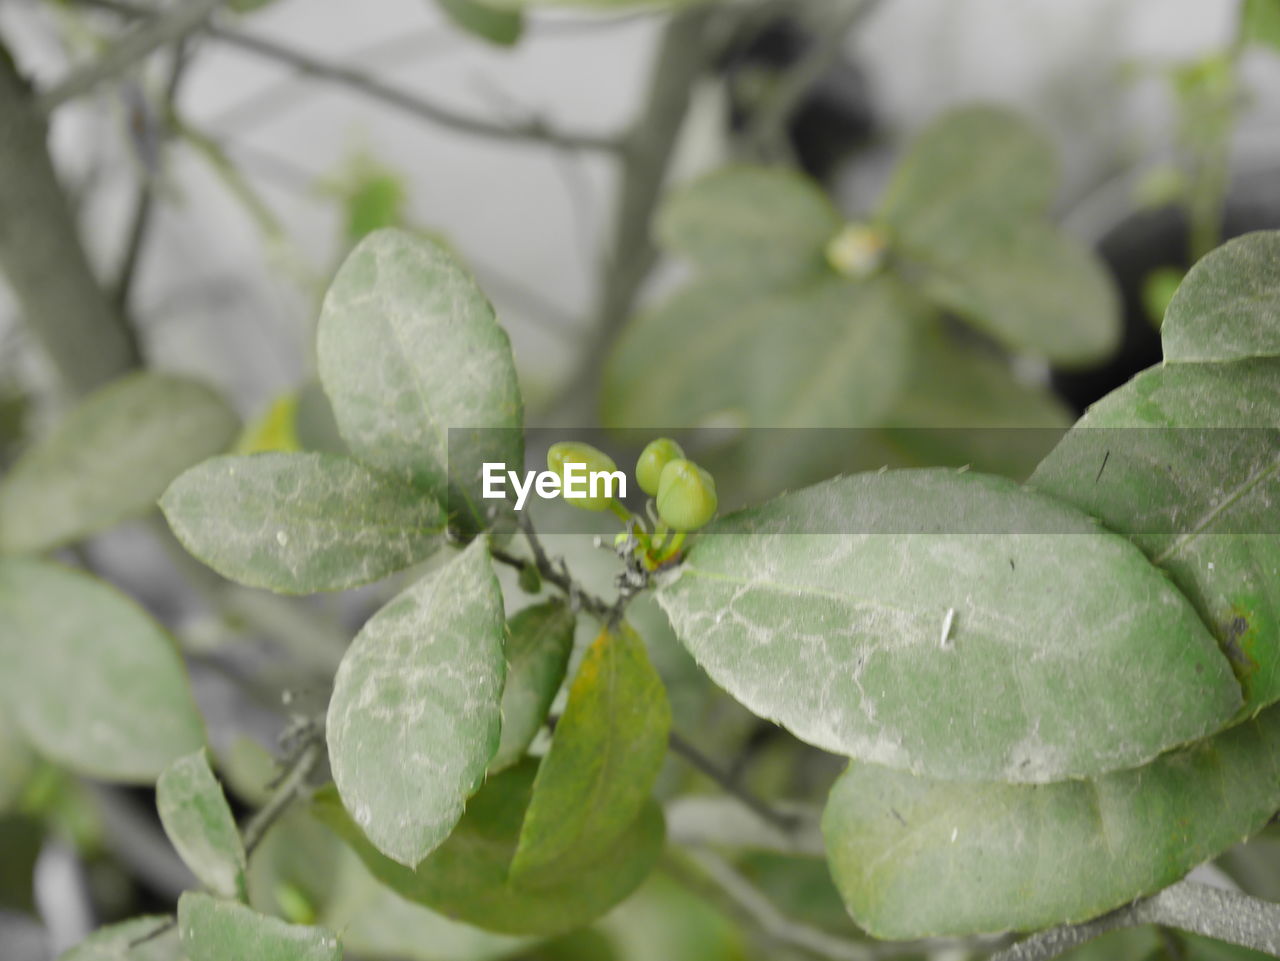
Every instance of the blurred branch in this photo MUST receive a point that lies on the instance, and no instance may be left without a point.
(784, 822)
(531, 131)
(63, 304)
(161, 28)
(286, 790)
(1186, 906)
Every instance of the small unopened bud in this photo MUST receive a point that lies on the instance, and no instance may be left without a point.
(686, 495)
(657, 455)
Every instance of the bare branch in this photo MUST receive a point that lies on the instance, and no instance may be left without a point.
(703, 764)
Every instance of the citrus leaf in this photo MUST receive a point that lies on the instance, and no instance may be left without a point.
(467, 876)
(916, 857)
(540, 639)
(300, 523)
(606, 753)
(486, 21)
(414, 717)
(112, 943)
(1260, 22)
(91, 680)
(1228, 307)
(215, 930)
(761, 225)
(1185, 459)
(109, 459)
(919, 619)
(420, 375)
(200, 825)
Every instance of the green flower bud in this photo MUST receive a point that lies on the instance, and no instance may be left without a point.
(657, 455)
(686, 495)
(593, 460)
(530, 580)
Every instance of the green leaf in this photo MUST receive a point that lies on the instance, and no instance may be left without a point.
(1197, 492)
(761, 225)
(1029, 286)
(111, 943)
(109, 459)
(916, 857)
(970, 169)
(94, 683)
(200, 825)
(467, 877)
(486, 21)
(538, 647)
(21, 838)
(952, 624)
(415, 714)
(215, 930)
(420, 374)
(17, 763)
(1228, 307)
(608, 747)
(300, 523)
(1260, 22)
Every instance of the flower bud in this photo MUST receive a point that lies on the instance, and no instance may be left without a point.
(593, 460)
(657, 455)
(686, 495)
(857, 251)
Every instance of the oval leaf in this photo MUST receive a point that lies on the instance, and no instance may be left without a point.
(420, 374)
(109, 459)
(606, 753)
(93, 682)
(467, 877)
(952, 624)
(1228, 307)
(415, 713)
(492, 23)
(112, 943)
(215, 930)
(762, 225)
(299, 523)
(200, 825)
(916, 857)
(1197, 487)
(538, 647)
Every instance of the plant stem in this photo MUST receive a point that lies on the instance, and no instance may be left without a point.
(284, 794)
(556, 575)
(704, 765)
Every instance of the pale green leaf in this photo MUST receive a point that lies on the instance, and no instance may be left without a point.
(540, 639)
(420, 375)
(1228, 307)
(93, 682)
(761, 225)
(970, 168)
(1185, 459)
(17, 763)
(216, 930)
(1260, 22)
(608, 747)
(200, 825)
(466, 878)
(110, 458)
(415, 713)
(491, 22)
(299, 523)
(951, 624)
(112, 942)
(916, 857)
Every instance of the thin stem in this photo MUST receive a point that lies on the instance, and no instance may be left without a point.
(556, 575)
(704, 765)
(283, 795)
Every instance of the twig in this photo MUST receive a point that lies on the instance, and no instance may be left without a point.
(1186, 906)
(160, 28)
(285, 791)
(703, 764)
(531, 131)
(556, 575)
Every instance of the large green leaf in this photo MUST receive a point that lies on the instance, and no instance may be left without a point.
(200, 825)
(94, 683)
(110, 458)
(299, 523)
(972, 168)
(415, 713)
(112, 943)
(538, 647)
(487, 21)
(759, 225)
(1029, 286)
(216, 930)
(916, 857)
(1228, 307)
(467, 877)
(952, 624)
(606, 753)
(420, 374)
(1197, 487)
(1260, 22)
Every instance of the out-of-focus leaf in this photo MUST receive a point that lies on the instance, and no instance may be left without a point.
(110, 458)
(540, 639)
(415, 714)
(17, 763)
(944, 648)
(215, 930)
(274, 429)
(21, 838)
(200, 825)
(301, 523)
(91, 680)
(112, 942)
(500, 26)
(1260, 22)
